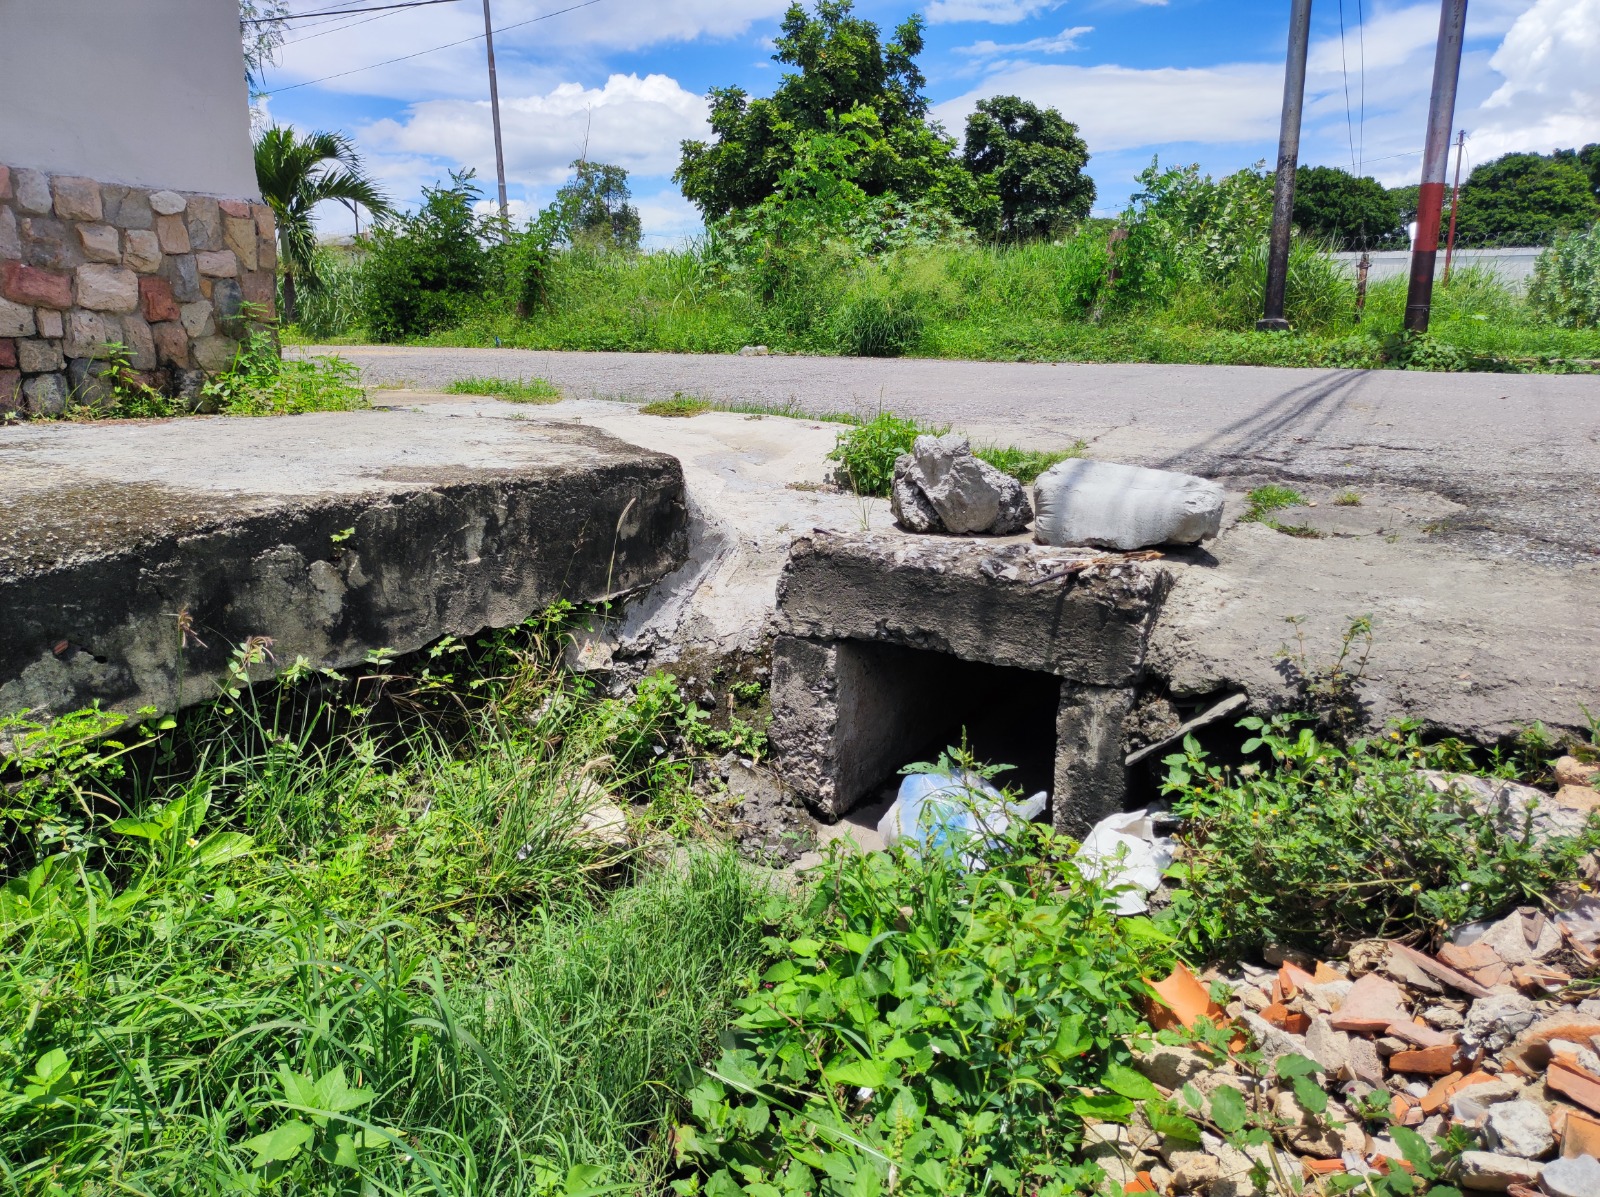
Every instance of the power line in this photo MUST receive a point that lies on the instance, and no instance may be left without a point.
(1361, 43)
(1344, 69)
(341, 12)
(431, 49)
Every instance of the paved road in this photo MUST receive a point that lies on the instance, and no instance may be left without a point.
(1513, 459)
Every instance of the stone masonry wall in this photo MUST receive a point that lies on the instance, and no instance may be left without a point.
(87, 265)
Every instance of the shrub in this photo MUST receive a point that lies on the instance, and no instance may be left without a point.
(935, 1030)
(330, 306)
(1325, 844)
(866, 453)
(425, 269)
(876, 325)
(1566, 280)
(1317, 296)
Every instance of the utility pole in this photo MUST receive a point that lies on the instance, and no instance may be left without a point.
(1455, 194)
(1294, 94)
(494, 108)
(1435, 160)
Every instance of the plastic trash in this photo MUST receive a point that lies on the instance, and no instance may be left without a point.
(936, 809)
(1125, 850)
(1123, 507)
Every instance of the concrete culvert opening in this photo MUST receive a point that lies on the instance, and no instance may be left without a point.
(904, 704)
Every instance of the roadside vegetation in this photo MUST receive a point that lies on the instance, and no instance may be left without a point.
(840, 221)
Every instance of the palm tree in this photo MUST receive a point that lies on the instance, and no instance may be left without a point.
(296, 174)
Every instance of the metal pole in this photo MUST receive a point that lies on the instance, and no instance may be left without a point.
(1455, 195)
(1435, 161)
(494, 107)
(1294, 94)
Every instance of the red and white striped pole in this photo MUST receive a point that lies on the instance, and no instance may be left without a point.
(1435, 162)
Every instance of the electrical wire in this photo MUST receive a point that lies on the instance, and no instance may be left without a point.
(431, 49)
(341, 12)
(1361, 43)
(1344, 69)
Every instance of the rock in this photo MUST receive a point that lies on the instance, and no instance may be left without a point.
(141, 251)
(214, 354)
(1279, 954)
(1489, 1172)
(1365, 1062)
(217, 264)
(1329, 1048)
(196, 318)
(49, 243)
(604, 826)
(1492, 1023)
(32, 191)
(911, 508)
(50, 323)
(10, 390)
(35, 287)
(39, 357)
(1570, 771)
(1329, 995)
(1366, 955)
(184, 275)
(1576, 1177)
(88, 382)
(1582, 798)
(16, 320)
(967, 494)
(1399, 967)
(140, 341)
(156, 300)
(1308, 1132)
(172, 235)
(240, 236)
(172, 344)
(10, 238)
(76, 199)
(1443, 1018)
(1197, 1173)
(1521, 1128)
(45, 394)
(101, 242)
(167, 203)
(88, 333)
(1272, 1041)
(107, 288)
(127, 207)
(205, 223)
(1515, 809)
(1101, 503)
(1405, 962)
(1171, 1067)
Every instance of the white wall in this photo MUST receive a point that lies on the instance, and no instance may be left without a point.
(146, 92)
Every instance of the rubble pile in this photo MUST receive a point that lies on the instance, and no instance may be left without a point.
(1495, 1037)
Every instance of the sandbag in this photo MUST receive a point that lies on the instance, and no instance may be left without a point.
(1124, 507)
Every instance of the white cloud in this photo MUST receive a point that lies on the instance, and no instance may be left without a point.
(995, 12)
(667, 219)
(1120, 108)
(1550, 61)
(1059, 43)
(632, 122)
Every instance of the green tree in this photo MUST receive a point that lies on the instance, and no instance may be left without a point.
(593, 208)
(295, 174)
(1033, 158)
(1589, 159)
(422, 264)
(1525, 199)
(842, 66)
(1354, 213)
(261, 27)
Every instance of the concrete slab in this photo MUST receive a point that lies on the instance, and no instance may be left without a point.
(331, 535)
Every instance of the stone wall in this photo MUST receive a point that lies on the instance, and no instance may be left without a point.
(86, 266)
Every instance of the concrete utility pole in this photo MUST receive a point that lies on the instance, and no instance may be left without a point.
(1294, 94)
(1435, 161)
(494, 108)
(1455, 195)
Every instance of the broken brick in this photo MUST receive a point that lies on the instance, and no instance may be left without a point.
(1285, 1019)
(1372, 1004)
(1580, 1135)
(1326, 974)
(1440, 972)
(1183, 1000)
(1439, 1060)
(1439, 1096)
(1566, 1077)
(1314, 1168)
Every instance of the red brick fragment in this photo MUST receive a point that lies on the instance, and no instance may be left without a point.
(34, 287)
(1426, 1061)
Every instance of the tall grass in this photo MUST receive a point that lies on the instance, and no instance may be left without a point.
(310, 956)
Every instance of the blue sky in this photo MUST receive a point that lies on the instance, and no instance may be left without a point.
(1190, 80)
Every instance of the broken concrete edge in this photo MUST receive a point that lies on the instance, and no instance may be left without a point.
(454, 558)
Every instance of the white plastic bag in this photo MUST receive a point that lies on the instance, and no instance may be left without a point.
(1126, 850)
(932, 809)
(1123, 507)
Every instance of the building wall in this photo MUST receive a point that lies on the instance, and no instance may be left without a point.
(142, 92)
(132, 237)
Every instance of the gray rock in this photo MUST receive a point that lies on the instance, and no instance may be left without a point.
(1171, 1067)
(1521, 1128)
(967, 494)
(107, 288)
(1272, 1041)
(1311, 1133)
(88, 333)
(1575, 1177)
(127, 207)
(181, 271)
(39, 357)
(910, 506)
(1490, 1172)
(89, 382)
(16, 320)
(1197, 1173)
(49, 243)
(45, 395)
(1124, 507)
(10, 238)
(205, 223)
(1516, 809)
(143, 251)
(1328, 1047)
(31, 190)
(1492, 1023)
(196, 318)
(167, 203)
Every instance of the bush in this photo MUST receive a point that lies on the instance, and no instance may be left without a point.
(1566, 280)
(425, 270)
(935, 1030)
(1318, 297)
(876, 325)
(332, 305)
(1324, 845)
(866, 454)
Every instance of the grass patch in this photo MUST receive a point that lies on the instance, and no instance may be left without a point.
(1025, 465)
(866, 454)
(680, 405)
(1347, 498)
(340, 936)
(513, 390)
(1264, 500)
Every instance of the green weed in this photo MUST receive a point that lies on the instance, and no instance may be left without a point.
(1025, 465)
(1264, 500)
(679, 405)
(1348, 498)
(866, 453)
(513, 390)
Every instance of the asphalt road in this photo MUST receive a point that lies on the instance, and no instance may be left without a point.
(1514, 458)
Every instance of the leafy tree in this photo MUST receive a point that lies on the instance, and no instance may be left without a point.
(593, 208)
(1525, 199)
(1589, 159)
(295, 174)
(422, 264)
(1354, 213)
(261, 24)
(1034, 160)
(842, 66)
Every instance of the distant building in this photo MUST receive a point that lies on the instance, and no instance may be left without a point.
(129, 213)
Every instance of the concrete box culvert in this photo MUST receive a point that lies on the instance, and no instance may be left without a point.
(887, 646)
